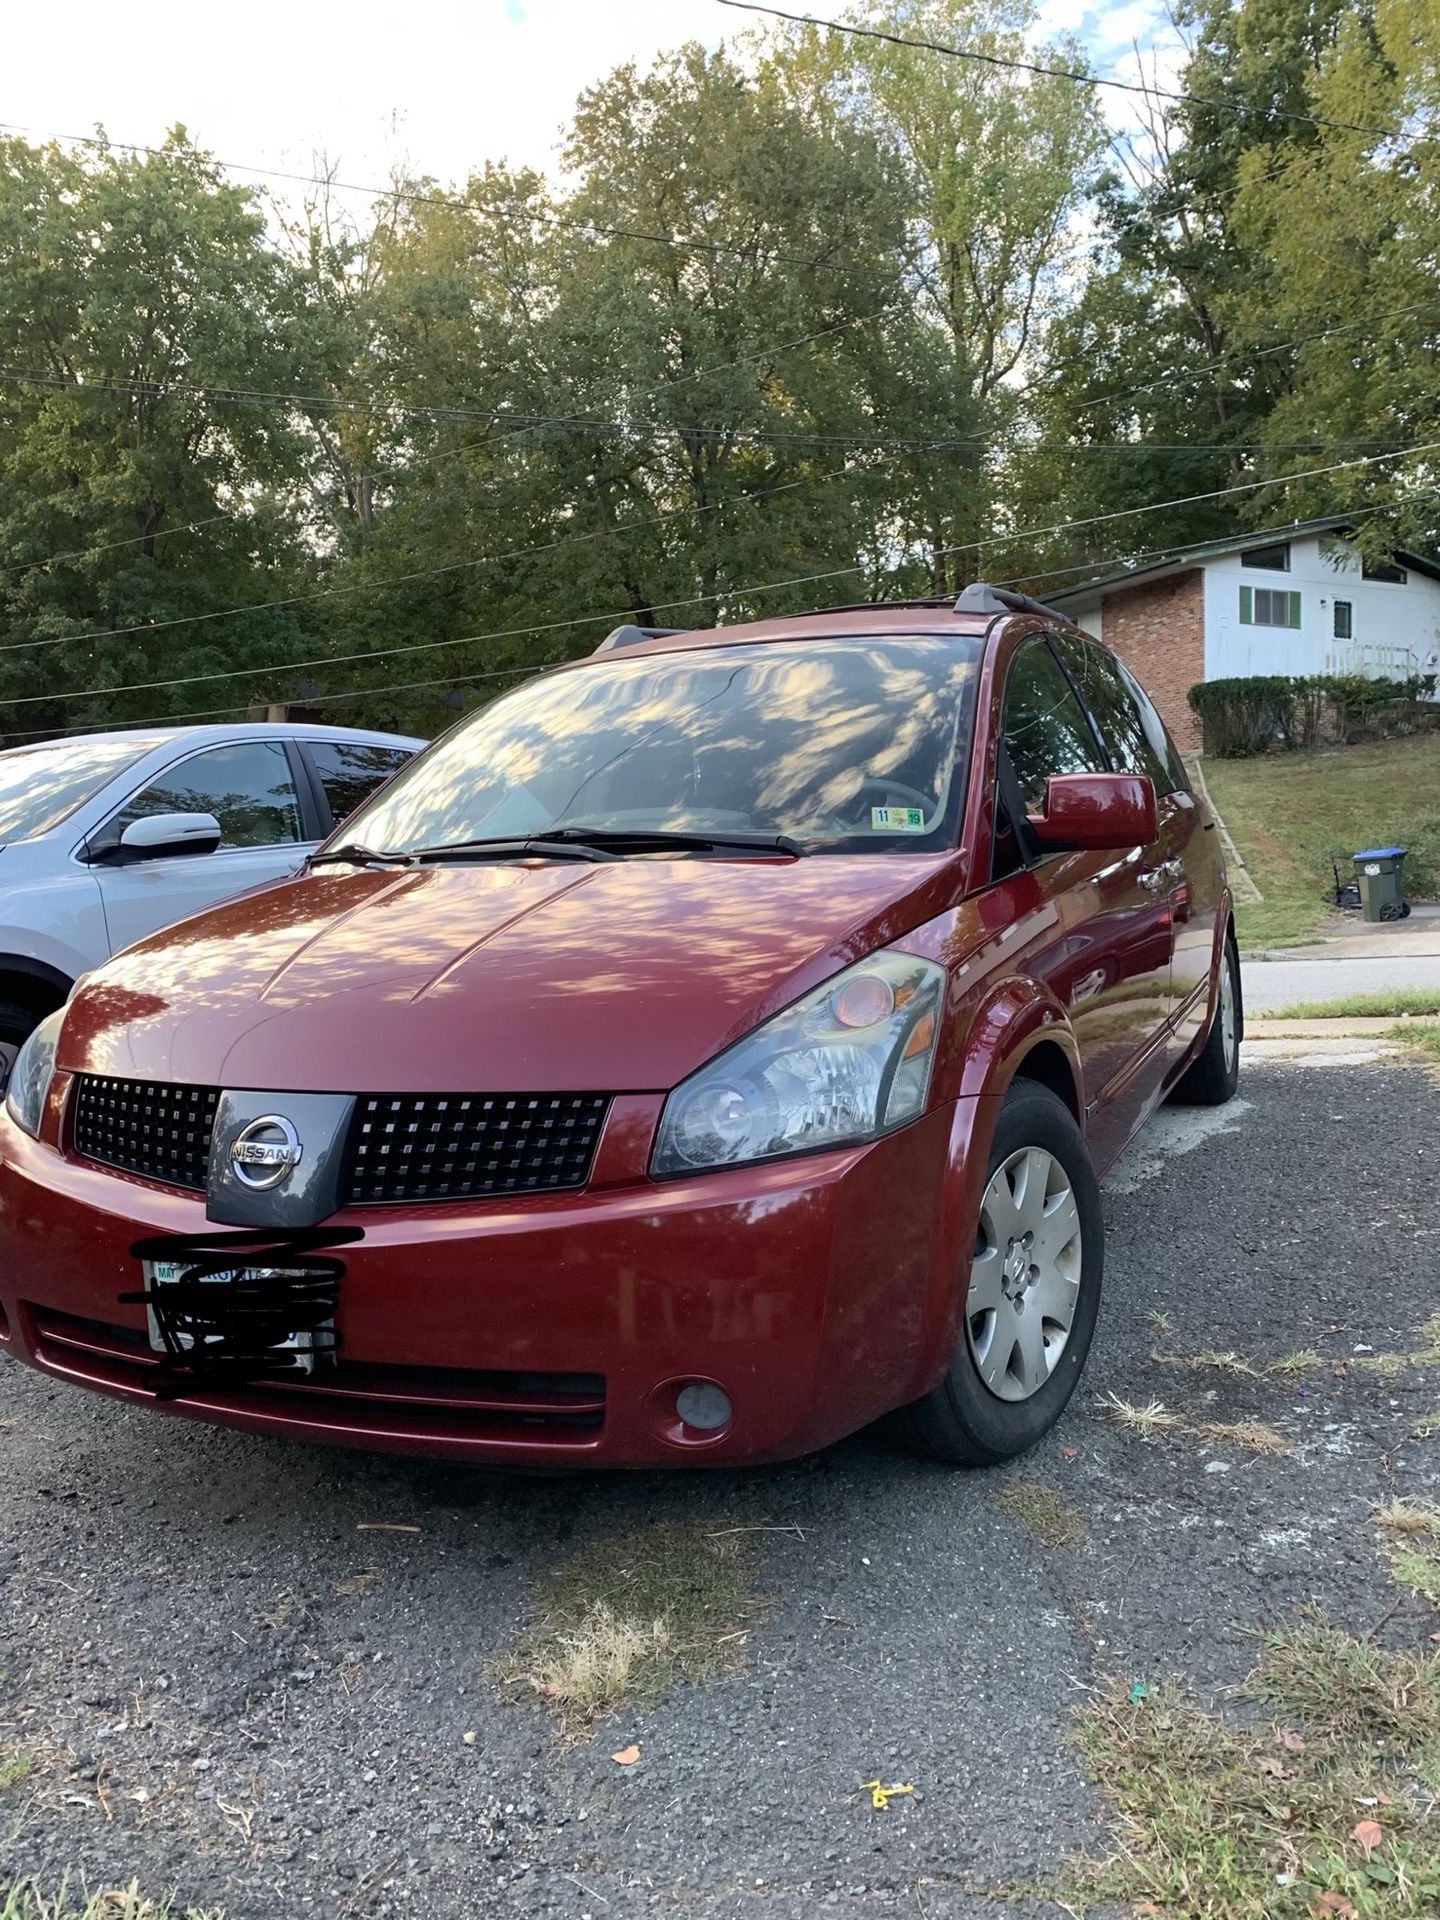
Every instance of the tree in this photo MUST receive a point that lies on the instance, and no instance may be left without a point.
(140, 484)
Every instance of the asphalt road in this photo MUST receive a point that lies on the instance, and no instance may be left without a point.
(1272, 984)
(276, 1703)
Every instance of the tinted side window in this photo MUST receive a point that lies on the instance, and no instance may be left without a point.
(1130, 726)
(350, 771)
(1097, 675)
(1044, 725)
(247, 787)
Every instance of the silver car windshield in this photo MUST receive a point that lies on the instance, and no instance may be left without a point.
(40, 785)
(842, 745)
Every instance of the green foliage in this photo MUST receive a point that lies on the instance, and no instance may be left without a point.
(1262, 712)
(908, 328)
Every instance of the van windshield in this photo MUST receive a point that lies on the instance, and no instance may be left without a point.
(40, 785)
(841, 745)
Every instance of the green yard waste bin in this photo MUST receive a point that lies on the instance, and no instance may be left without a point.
(1382, 886)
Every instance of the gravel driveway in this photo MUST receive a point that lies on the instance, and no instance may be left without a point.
(230, 1684)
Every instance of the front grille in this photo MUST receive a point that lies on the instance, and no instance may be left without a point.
(402, 1147)
(461, 1146)
(144, 1127)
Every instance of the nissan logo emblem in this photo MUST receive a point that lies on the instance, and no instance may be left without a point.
(265, 1153)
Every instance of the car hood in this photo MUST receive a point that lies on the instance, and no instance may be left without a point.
(617, 977)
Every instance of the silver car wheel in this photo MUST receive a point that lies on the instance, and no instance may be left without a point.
(1025, 1277)
(1229, 1026)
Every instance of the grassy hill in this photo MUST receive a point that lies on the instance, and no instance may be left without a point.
(1291, 813)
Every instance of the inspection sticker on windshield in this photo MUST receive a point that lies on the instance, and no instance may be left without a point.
(898, 819)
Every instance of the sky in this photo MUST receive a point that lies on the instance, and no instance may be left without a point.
(432, 87)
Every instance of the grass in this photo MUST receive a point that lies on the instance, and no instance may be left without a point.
(1424, 1035)
(1154, 1418)
(1412, 1543)
(628, 1618)
(15, 1766)
(24, 1900)
(1041, 1513)
(1273, 1822)
(1291, 813)
(1396, 1002)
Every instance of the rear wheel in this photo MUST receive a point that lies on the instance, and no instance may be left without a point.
(1032, 1291)
(1214, 1075)
(16, 1025)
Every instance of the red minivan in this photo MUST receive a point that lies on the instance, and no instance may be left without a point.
(705, 1049)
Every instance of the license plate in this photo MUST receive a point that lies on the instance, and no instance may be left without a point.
(296, 1349)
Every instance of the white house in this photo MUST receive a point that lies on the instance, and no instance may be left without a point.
(1300, 602)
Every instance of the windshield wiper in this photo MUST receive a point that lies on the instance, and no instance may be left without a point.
(359, 857)
(542, 847)
(658, 839)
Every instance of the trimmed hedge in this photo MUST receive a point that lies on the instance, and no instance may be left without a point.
(1263, 713)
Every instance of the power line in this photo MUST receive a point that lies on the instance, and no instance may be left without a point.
(1056, 73)
(726, 594)
(535, 668)
(85, 553)
(423, 197)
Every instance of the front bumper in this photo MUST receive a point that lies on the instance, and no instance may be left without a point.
(554, 1329)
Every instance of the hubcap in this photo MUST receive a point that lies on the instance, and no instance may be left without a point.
(1025, 1277)
(1227, 1010)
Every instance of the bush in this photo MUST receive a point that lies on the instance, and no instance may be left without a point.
(1262, 712)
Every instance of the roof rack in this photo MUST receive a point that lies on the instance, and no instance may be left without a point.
(631, 636)
(981, 597)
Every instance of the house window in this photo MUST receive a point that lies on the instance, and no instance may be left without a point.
(1392, 575)
(1272, 559)
(1344, 620)
(1269, 607)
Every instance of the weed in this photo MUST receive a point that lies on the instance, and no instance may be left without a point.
(1267, 1823)
(1040, 1512)
(26, 1900)
(628, 1618)
(1302, 1360)
(1423, 1035)
(1153, 1418)
(1399, 1517)
(15, 1766)
(1256, 1436)
(1161, 1322)
(1211, 1357)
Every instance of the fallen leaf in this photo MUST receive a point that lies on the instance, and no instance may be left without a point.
(1272, 1767)
(1069, 1452)
(1369, 1833)
(1335, 1903)
(1292, 1741)
(626, 1757)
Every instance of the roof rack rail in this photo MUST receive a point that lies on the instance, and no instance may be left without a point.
(981, 597)
(631, 636)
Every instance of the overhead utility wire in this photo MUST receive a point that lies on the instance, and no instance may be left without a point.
(1057, 73)
(420, 197)
(728, 593)
(533, 669)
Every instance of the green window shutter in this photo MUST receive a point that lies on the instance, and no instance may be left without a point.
(1247, 597)
(1294, 610)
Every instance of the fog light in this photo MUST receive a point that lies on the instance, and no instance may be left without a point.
(703, 1405)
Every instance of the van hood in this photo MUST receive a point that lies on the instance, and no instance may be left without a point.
(615, 977)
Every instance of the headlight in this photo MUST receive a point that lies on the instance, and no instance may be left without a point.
(30, 1075)
(849, 1061)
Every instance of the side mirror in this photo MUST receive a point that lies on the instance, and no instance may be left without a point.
(1096, 812)
(160, 836)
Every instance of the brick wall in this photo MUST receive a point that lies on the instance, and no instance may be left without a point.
(1159, 631)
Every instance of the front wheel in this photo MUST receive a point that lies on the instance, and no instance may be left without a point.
(1032, 1292)
(16, 1024)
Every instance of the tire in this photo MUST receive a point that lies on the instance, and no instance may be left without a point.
(1213, 1076)
(16, 1024)
(965, 1421)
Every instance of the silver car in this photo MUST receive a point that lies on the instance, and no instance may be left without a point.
(107, 837)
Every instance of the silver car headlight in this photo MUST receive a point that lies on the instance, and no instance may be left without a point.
(30, 1075)
(849, 1061)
